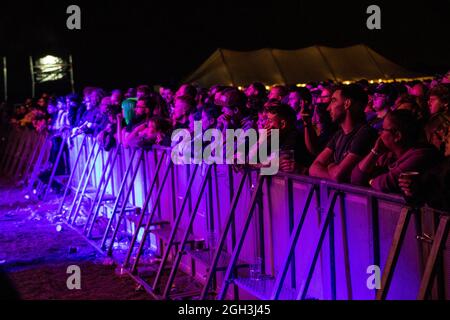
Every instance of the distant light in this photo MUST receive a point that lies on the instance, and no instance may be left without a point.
(50, 68)
(49, 60)
(346, 82)
(267, 87)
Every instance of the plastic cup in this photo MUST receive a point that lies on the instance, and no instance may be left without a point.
(255, 269)
(287, 154)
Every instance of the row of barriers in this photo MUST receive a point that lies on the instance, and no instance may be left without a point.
(209, 232)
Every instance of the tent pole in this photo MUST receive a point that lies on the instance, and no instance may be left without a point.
(375, 61)
(32, 77)
(278, 67)
(72, 83)
(226, 67)
(326, 62)
(5, 79)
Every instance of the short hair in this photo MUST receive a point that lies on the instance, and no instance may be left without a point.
(188, 100)
(88, 90)
(190, 90)
(358, 97)
(407, 99)
(407, 124)
(354, 92)
(442, 92)
(260, 88)
(304, 94)
(143, 87)
(285, 112)
(73, 97)
(283, 89)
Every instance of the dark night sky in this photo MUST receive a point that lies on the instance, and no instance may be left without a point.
(129, 42)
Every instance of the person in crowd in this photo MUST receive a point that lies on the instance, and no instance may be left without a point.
(128, 110)
(294, 156)
(418, 91)
(209, 117)
(102, 119)
(130, 93)
(431, 188)
(256, 89)
(277, 92)
(321, 119)
(186, 90)
(396, 151)
(437, 131)
(351, 142)
(183, 107)
(407, 102)
(143, 91)
(138, 122)
(116, 100)
(256, 94)
(383, 100)
(299, 99)
(194, 117)
(72, 105)
(436, 128)
(232, 102)
(446, 78)
(439, 99)
(157, 132)
(89, 117)
(62, 122)
(167, 92)
(158, 106)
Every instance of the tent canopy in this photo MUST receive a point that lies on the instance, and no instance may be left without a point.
(316, 63)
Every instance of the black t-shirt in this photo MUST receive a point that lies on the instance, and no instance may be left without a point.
(295, 140)
(358, 142)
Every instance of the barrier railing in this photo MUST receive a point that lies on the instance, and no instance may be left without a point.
(269, 237)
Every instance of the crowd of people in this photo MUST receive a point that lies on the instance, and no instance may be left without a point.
(364, 133)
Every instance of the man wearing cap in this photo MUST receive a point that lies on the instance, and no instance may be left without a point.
(382, 102)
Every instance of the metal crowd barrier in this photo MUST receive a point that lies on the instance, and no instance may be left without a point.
(24, 151)
(211, 232)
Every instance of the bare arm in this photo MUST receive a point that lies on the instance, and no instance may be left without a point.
(319, 168)
(342, 171)
(129, 139)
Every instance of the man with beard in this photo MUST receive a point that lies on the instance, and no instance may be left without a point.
(351, 142)
(138, 122)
